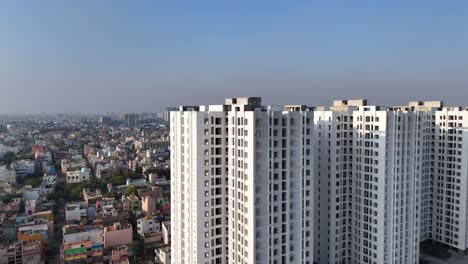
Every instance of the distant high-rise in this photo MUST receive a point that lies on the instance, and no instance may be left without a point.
(105, 120)
(349, 183)
(166, 114)
(131, 120)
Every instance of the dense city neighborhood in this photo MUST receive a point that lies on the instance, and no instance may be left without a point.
(85, 189)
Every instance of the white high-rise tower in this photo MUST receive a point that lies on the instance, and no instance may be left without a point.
(242, 183)
(351, 183)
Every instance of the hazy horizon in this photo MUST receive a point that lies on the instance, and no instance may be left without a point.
(106, 56)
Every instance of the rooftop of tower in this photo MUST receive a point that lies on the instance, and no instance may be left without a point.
(252, 101)
(355, 102)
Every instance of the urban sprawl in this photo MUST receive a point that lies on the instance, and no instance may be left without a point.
(238, 182)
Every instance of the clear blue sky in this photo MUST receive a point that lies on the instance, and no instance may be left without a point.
(97, 56)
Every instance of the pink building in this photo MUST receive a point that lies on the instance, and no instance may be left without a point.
(155, 191)
(117, 235)
(30, 207)
(120, 255)
(35, 149)
(148, 204)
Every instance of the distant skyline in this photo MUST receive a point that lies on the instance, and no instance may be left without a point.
(143, 56)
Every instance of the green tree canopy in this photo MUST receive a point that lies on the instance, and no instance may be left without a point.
(7, 198)
(132, 189)
(138, 249)
(9, 157)
(111, 194)
(34, 182)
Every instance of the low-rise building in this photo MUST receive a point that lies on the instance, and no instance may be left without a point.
(8, 174)
(75, 163)
(163, 255)
(7, 227)
(4, 149)
(76, 212)
(47, 178)
(39, 232)
(78, 175)
(148, 224)
(24, 168)
(152, 237)
(30, 207)
(120, 255)
(111, 210)
(46, 217)
(117, 235)
(46, 188)
(82, 247)
(25, 252)
(135, 203)
(3, 253)
(92, 196)
(62, 155)
(154, 191)
(137, 182)
(149, 229)
(30, 193)
(148, 204)
(43, 157)
(37, 148)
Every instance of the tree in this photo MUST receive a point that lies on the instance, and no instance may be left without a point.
(74, 191)
(53, 196)
(34, 182)
(3, 129)
(132, 189)
(151, 171)
(34, 179)
(139, 170)
(95, 183)
(116, 177)
(9, 157)
(111, 194)
(135, 176)
(58, 167)
(7, 198)
(163, 172)
(117, 180)
(138, 249)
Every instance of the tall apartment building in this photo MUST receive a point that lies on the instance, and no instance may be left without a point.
(373, 180)
(131, 120)
(242, 187)
(105, 120)
(349, 183)
(333, 165)
(450, 188)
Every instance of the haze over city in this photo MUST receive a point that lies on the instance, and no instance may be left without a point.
(233, 132)
(127, 56)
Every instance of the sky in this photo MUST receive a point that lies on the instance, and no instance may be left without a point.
(141, 56)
